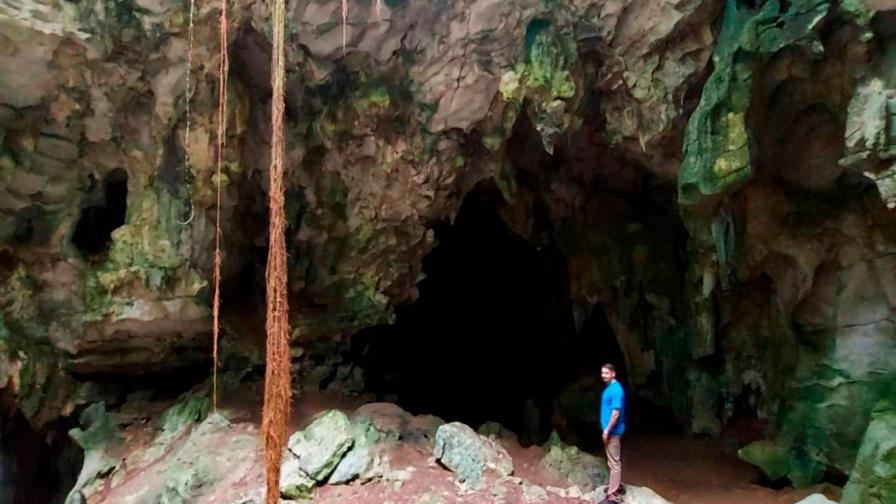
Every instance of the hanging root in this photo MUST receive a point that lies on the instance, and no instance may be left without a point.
(344, 23)
(222, 135)
(277, 379)
(189, 96)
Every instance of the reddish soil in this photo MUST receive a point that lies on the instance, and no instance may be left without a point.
(701, 471)
(435, 482)
(683, 470)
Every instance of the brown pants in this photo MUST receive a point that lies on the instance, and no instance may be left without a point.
(614, 460)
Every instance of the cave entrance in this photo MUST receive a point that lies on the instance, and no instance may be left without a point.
(492, 335)
(106, 209)
(36, 467)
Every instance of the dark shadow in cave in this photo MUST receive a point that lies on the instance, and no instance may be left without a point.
(595, 345)
(36, 467)
(105, 212)
(491, 337)
(576, 408)
(31, 226)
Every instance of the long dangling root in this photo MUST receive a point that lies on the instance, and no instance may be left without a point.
(189, 96)
(344, 23)
(277, 379)
(222, 135)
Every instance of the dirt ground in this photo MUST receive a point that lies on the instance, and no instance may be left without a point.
(683, 470)
(701, 471)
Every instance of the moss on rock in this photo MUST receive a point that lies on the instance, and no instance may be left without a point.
(873, 478)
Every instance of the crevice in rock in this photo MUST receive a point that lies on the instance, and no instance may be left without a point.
(36, 467)
(31, 225)
(8, 263)
(105, 212)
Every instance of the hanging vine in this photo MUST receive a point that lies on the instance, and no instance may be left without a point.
(189, 96)
(344, 24)
(223, 68)
(277, 379)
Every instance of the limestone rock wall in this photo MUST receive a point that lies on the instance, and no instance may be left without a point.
(784, 191)
(760, 285)
(384, 139)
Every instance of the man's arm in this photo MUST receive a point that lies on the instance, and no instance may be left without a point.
(612, 423)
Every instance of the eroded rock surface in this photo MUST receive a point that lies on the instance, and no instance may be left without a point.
(469, 455)
(719, 180)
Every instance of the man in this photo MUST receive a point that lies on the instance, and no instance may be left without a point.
(612, 420)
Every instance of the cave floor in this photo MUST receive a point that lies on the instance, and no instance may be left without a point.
(682, 470)
(701, 471)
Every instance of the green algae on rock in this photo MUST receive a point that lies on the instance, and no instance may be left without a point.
(873, 478)
(583, 470)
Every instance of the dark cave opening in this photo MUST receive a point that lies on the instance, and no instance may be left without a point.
(36, 467)
(492, 335)
(105, 212)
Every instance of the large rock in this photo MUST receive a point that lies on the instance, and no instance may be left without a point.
(355, 463)
(294, 483)
(381, 422)
(773, 459)
(359, 461)
(581, 469)
(386, 423)
(470, 455)
(319, 448)
(873, 479)
(496, 431)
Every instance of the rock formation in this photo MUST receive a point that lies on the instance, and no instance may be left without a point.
(719, 180)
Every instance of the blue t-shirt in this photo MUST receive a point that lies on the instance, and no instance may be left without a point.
(613, 398)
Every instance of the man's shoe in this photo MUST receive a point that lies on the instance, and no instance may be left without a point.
(621, 490)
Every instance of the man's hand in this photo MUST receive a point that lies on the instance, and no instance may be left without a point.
(612, 423)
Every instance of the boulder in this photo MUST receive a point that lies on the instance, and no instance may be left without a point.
(873, 478)
(354, 464)
(816, 499)
(581, 469)
(459, 448)
(357, 462)
(496, 431)
(319, 448)
(294, 483)
(768, 456)
(381, 422)
(386, 423)
(213, 456)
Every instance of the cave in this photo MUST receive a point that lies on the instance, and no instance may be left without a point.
(27, 456)
(491, 337)
(105, 212)
(484, 203)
